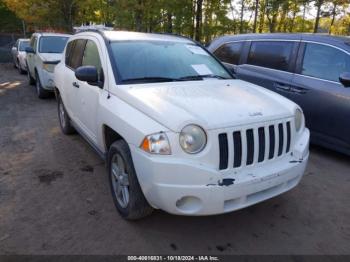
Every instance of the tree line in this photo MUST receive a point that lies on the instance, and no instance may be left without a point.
(201, 20)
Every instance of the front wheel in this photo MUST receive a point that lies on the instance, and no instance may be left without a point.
(31, 80)
(40, 91)
(126, 191)
(20, 70)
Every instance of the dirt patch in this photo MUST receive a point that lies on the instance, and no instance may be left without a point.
(48, 176)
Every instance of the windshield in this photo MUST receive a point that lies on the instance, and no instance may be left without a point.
(163, 61)
(52, 44)
(23, 45)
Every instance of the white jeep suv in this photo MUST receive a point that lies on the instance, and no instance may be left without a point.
(178, 133)
(44, 53)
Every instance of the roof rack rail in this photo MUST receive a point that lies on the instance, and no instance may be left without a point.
(93, 27)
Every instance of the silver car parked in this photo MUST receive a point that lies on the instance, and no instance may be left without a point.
(19, 54)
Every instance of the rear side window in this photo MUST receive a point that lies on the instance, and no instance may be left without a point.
(271, 54)
(230, 52)
(68, 51)
(325, 62)
(76, 53)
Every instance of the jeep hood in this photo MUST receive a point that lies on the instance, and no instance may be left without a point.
(51, 57)
(211, 104)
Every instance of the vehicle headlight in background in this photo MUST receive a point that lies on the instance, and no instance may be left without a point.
(49, 67)
(299, 119)
(156, 144)
(193, 139)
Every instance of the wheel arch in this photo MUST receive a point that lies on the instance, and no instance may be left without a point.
(110, 136)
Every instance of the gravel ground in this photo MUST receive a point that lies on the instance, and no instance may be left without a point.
(55, 198)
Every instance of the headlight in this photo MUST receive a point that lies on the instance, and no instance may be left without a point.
(156, 144)
(193, 139)
(49, 67)
(299, 119)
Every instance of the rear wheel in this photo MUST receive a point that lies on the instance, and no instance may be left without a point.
(126, 191)
(63, 118)
(40, 91)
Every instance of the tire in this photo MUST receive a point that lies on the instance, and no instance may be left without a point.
(20, 70)
(40, 91)
(31, 80)
(137, 206)
(63, 118)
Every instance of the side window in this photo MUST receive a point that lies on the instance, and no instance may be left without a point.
(230, 52)
(271, 54)
(68, 51)
(324, 62)
(76, 53)
(91, 56)
(35, 43)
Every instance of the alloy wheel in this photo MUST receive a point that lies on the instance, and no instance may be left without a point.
(120, 180)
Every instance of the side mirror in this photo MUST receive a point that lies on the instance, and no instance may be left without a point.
(231, 68)
(344, 78)
(30, 50)
(14, 48)
(88, 74)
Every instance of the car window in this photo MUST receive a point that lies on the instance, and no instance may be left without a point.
(76, 53)
(91, 56)
(230, 52)
(164, 59)
(33, 42)
(270, 54)
(325, 62)
(52, 44)
(23, 45)
(68, 51)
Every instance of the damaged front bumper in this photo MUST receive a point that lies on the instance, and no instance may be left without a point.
(183, 188)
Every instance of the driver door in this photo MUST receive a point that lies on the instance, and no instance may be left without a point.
(89, 95)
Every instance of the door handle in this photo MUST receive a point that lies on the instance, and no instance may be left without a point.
(75, 84)
(282, 87)
(298, 90)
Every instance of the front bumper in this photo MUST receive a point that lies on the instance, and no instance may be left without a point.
(180, 187)
(46, 80)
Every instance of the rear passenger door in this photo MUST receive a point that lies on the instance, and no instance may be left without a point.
(316, 88)
(269, 64)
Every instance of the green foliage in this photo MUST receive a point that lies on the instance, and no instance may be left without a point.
(185, 17)
(9, 22)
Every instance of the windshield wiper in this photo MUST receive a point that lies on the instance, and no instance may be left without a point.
(150, 79)
(200, 77)
(214, 76)
(169, 79)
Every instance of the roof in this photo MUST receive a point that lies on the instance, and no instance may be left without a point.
(126, 35)
(322, 38)
(51, 34)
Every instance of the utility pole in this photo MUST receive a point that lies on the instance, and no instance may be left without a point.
(24, 29)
